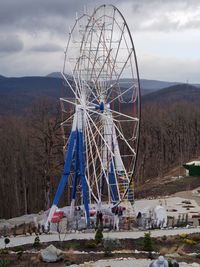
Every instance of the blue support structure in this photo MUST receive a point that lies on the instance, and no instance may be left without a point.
(75, 168)
(66, 171)
(112, 182)
(130, 195)
(83, 179)
(76, 147)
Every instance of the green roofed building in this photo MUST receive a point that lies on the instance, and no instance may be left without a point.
(192, 168)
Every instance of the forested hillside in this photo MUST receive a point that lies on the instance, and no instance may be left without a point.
(170, 136)
(18, 94)
(31, 159)
(170, 131)
(31, 155)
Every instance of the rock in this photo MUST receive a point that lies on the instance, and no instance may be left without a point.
(51, 254)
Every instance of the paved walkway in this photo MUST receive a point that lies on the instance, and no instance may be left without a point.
(22, 240)
(128, 263)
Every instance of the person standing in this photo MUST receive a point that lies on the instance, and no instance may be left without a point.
(116, 219)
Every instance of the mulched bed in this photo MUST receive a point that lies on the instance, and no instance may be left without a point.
(74, 251)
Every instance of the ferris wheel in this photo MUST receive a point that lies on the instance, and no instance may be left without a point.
(101, 113)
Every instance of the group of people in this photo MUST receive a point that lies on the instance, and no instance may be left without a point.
(117, 213)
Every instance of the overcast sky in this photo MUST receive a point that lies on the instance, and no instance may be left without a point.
(166, 34)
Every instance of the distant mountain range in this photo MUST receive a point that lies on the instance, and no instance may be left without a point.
(144, 83)
(176, 93)
(18, 94)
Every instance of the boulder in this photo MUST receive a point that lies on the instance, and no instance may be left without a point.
(51, 254)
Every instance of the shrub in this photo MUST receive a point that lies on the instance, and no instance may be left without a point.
(173, 263)
(148, 244)
(98, 236)
(183, 235)
(36, 242)
(190, 241)
(4, 262)
(170, 263)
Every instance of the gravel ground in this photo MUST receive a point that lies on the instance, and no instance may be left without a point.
(130, 262)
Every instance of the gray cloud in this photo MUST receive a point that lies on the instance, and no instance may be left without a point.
(39, 15)
(48, 47)
(10, 43)
(51, 15)
(192, 24)
(165, 15)
(40, 28)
